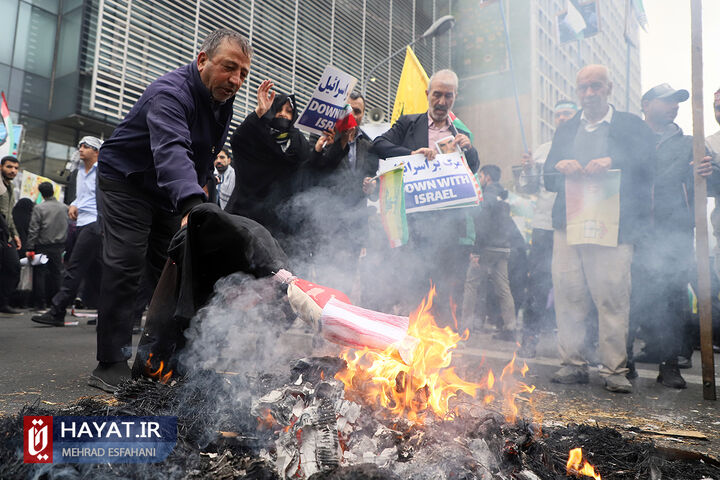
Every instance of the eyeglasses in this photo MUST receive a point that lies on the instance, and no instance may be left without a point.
(86, 146)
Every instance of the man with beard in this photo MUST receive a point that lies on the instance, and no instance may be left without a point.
(665, 257)
(10, 240)
(224, 177)
(591, 143)
(344, 172)
(151, 173)
(434, 250)
(270, 154)
(88, 246)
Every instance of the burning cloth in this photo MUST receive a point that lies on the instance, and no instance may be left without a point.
(214, 244)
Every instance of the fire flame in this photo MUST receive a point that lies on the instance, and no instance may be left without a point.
(575, 459)
(158, 373)
(428, 382)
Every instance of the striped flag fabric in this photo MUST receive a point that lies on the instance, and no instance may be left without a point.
(360, 328)
(7, 121)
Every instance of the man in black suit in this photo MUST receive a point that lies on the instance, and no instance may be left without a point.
(435, 250)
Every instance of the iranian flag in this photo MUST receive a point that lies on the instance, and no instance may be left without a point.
(346, 121)
(7, 121)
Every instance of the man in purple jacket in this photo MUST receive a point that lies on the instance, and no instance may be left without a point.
(150, 175)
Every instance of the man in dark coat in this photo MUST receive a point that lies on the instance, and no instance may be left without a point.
(489, 259)
(343, 171)
(434, 250)
(596, 139)
(664, 262)
(150, 175)
(269, 155)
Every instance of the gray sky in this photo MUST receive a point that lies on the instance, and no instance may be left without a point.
(665, 54)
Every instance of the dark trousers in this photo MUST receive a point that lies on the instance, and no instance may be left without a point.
(660, 309)
(9, 271)
(136, 234)
(537, 315)
(86, 251)
(47, 278)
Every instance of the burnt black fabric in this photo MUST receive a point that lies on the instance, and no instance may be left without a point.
(214, 244)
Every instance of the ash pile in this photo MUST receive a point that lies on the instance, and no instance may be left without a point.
(301, 425)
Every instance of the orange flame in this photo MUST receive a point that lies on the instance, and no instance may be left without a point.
(158, 373)
(575, 459)
(266, 421)
(429, 382)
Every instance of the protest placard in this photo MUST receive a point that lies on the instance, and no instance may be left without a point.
(327, 103)
(593, 209)
(30, 184)
(444, 182)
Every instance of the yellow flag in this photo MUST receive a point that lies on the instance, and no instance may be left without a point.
(411, 97)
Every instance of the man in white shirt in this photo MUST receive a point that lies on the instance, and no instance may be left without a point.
(88, 246)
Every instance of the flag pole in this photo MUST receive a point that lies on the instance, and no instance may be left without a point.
(701, 230)
(512, 75)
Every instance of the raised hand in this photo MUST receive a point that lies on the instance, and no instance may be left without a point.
(265, 97)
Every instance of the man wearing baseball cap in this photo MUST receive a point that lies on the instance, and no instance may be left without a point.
(664, 260)
(88, 246)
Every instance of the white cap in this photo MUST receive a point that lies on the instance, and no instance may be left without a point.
(93, 142)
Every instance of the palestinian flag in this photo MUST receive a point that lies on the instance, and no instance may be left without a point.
(460, 125)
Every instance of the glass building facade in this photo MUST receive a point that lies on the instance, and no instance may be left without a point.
(71, 68)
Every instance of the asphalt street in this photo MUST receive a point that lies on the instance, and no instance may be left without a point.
(50, 365)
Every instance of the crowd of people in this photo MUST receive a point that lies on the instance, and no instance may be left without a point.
(136, 190)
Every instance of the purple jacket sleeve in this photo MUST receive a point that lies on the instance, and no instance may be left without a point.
(171, 145)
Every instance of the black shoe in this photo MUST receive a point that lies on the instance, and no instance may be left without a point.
(505, 336)
(78, 304)
(92, 321)
(632, 371)
(684, 362)
(108, 376)
(48, 318)
(8, 310)
(670, 376)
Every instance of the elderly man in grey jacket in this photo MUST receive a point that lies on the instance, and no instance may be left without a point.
(47, 234)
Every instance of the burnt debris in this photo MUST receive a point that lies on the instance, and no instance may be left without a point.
(302, 426)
